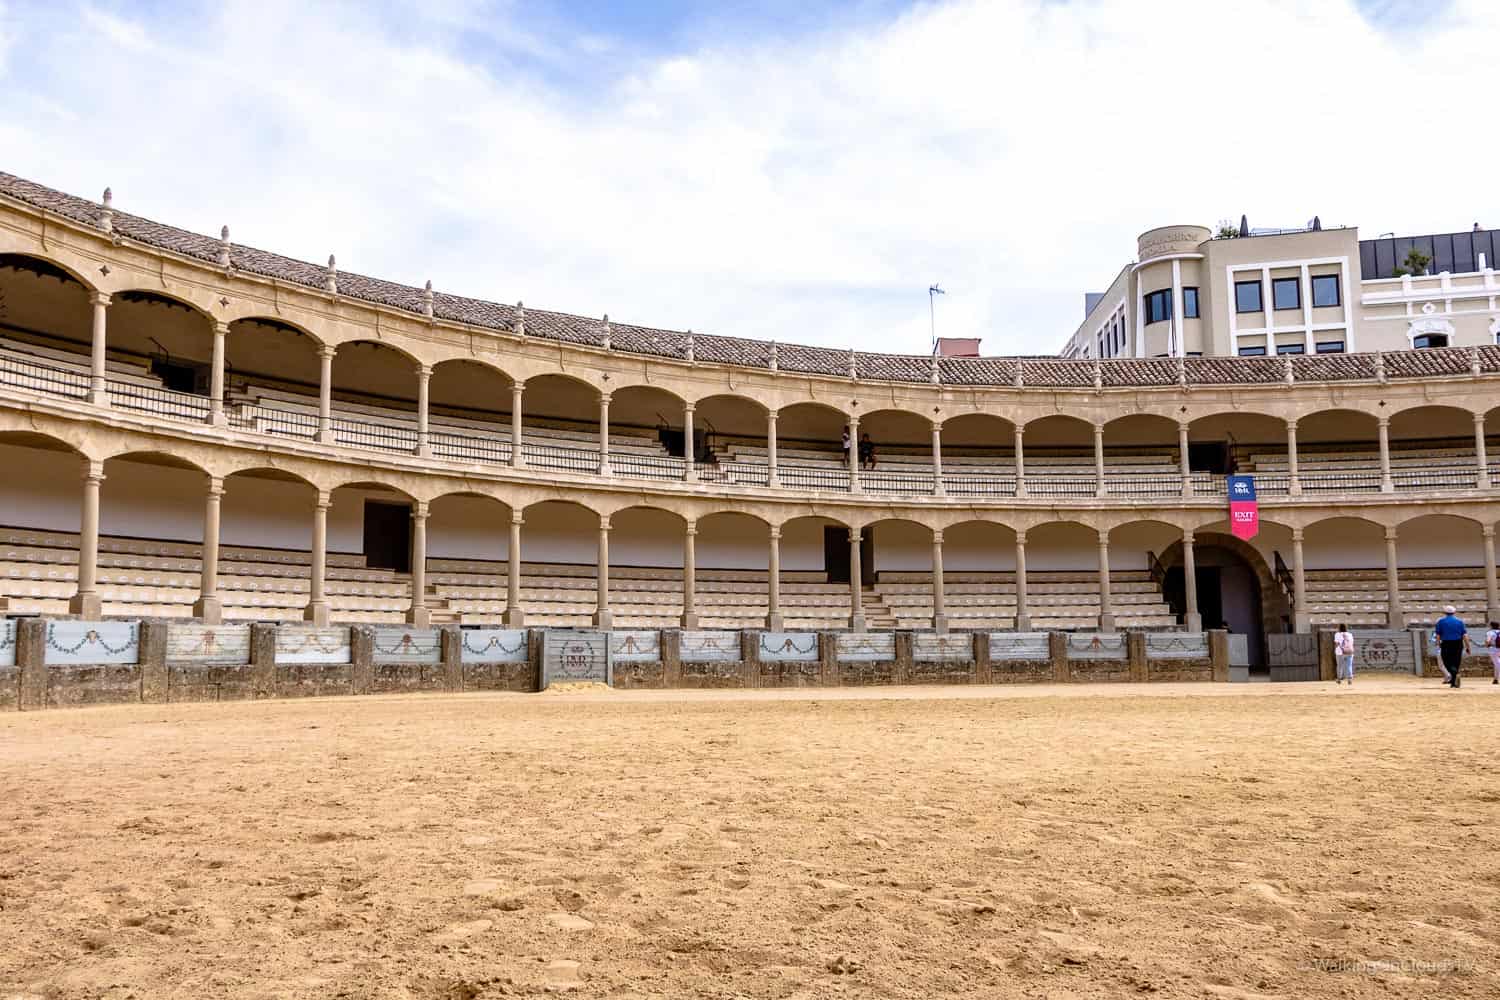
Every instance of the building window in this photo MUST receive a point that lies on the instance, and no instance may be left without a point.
(1190, 303)
(1286, 293)
(1159, 306)
(1194, 354)
(1330, 347)
(1252, 352)
(1325, 291)
(1430, 340)
(1291, 349)
(1247, 297)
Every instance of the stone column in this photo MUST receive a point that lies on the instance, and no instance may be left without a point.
(1301, 621)
(1491, 593)
(1106, 597)
(325, 393)
(855, 486)
(86, 603)
(773, 581)
(1293, 479)
(517, 440)
(424, 377)
(856, 584)
(317, 610)
(1020, 461)
(773, 477)
(603, 617)
(1192, 621)
(604, 469)
(1395, 614)
(1481, 453)
(208, 608)
(1023, 611)
(419, 615)
(690, 576)
(689, 458)
(1387, 485)
(98, 391)
(1182, 458)
(939, 612)
(515, 616)
(937, 459)
(216, 377)
(1100, 487)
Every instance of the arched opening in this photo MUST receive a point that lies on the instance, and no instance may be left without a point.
(265, 545)
(469, 406)
(648, 433)
(45, 322)
(1345, 559)
(810, 452)
(1433, 447)
(1440, 561)
(1338, 451)
(170, 339)
(734, 436)
(979, 455)
(646, 567)
(901, 558)
(468, 558)
(560, 558)
(42, 512)
(1241, 443)
(895, 452)
(374, 379)
(560, 418)
(1141, 456)
(1237, 590)
(271, 377)
(1059, 457)
(815, 572)
(1137, 575)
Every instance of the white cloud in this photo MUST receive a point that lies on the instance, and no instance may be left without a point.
(806, 190)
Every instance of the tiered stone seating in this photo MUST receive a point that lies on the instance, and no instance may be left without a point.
(1358, 596)
(1055, 600)
(1427, 465)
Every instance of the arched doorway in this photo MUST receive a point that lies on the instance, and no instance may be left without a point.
(1236, 591)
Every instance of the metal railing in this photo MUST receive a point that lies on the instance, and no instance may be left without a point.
(638, 466)
(559, 458)
(34, 377)
(158, 402)
(979, 484)
(812, 477)
(469, 447)
(734, 473)
(877, 481)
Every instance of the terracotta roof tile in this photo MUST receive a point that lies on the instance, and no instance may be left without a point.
(628, 338)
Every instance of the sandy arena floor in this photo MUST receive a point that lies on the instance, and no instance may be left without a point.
(1186, 841)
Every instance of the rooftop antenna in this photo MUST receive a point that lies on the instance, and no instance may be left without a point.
(933, 290)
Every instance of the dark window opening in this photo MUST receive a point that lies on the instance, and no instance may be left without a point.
(1330, 347)
(1325, 290)
(1159, 306)
(1247, 296)
(1286, 293)
(1430, 340)
(1190, 303)
(1291, 348)
(1252, 352)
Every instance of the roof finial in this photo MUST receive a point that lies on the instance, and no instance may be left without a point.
(691, 348)
(1379, 367)
(1182, 371)
(520, 318)
(937, 374)
(1475, 368)
(224, 247)
(1016, 382)
(331, 277)
(775, 356)
(1290, 373)
(607, 344)
(427, 299)
(853, 367)
(1098, 374)
(107, 212)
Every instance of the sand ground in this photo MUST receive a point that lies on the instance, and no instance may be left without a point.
(1179, 841)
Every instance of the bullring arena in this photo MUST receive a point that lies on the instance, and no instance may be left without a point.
(435, 647)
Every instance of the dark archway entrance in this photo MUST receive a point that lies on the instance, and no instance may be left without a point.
(1231, 591)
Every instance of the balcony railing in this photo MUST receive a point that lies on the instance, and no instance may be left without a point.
(34, 376)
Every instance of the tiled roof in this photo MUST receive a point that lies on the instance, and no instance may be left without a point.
(643, 340)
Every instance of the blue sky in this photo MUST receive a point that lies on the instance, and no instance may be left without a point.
(796, 171)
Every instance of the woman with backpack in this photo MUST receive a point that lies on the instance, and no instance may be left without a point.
(1343, 653)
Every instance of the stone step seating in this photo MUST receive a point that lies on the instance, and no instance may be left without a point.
(1055, 599)
(1358, 596)
(759, 454)
(1367, 458)
(266, 407)
(115, 369)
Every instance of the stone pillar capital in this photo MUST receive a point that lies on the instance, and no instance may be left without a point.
(99, 298)
(1020, 536)
(93, 472)
(775, 532)
(689, 407)
(603, 523)
(1187, 536)
(221, 328)
(691, 527)
(517, 387)
(324, 500)
(517, 518)
(854, 536)
(420, 509)
(215, 486)
(1390, 534)
(1488, 530)
(1383, 422)
(604, 398)
(937, 536)
(424, 371)
(327, 351)
(1479, 419)
(1296, 534)
(1291, 425)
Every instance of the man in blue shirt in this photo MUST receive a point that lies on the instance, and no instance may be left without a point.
(1453, 642)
